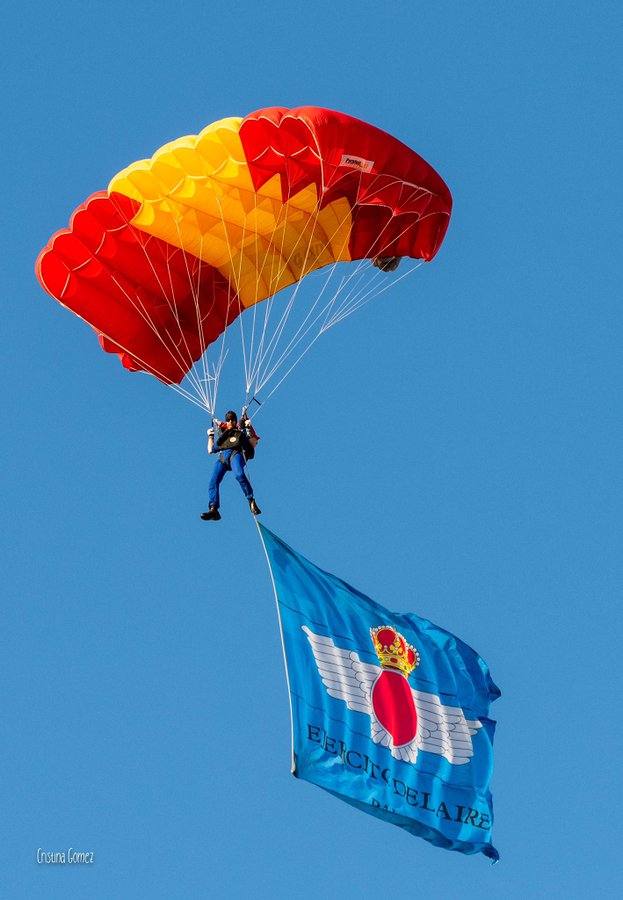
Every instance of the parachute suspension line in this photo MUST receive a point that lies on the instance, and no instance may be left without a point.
(303, 331)
(140, 308)
(293, 366)
(175, 313)
(266, 358)
(233, 295)
(259, 351)
(254, 313)
(358, 276)
(356, 292)
(298, 336)
(255, 249)
(351, 304)
(189, 363)
(354, 300)
(266, 242)
(270, 350)
(211, 378)
(149, 368)
(203, 384)
(268, 303)
(365, 298)
(236, 276)
(357, 300)
(237, 281)
(247, 345)
(172, 308)
(320, 333)
(248, 354)
(145, 315)
(294, 343)
(284, 356)
(195, 295)
(352, 293)
(369, 295)
(280, 221)
(243, 343)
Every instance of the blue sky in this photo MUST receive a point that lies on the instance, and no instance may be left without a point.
(476, 479)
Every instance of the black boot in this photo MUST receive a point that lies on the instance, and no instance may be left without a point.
(211, 515)
(254, 507)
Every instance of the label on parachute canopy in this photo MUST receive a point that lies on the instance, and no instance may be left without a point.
(357, 162)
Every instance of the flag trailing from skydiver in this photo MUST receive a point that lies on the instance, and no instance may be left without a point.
(389, 712)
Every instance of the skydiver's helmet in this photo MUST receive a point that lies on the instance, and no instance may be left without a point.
(231, 419)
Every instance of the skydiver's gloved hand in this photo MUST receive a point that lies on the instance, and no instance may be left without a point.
(210, 432)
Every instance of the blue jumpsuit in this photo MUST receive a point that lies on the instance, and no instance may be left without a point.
(236, 461)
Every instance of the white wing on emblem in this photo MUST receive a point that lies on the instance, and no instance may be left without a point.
(380, 735)
(343, 674)
(444, 729)
(440, 729)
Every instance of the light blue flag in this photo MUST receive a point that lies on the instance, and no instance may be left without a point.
(389, 712)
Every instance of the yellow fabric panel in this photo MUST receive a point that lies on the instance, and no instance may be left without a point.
(197, 193)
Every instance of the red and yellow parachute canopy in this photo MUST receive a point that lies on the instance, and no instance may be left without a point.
(182, 243)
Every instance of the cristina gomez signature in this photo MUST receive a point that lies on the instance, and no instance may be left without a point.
(65, 857)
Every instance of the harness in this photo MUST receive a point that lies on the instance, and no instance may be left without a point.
(231, 443)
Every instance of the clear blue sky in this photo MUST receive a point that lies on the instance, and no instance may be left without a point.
(144, 706)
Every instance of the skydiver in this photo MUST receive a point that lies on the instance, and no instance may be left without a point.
(235, 446)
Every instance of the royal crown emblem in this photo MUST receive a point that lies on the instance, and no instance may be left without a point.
(393, 650)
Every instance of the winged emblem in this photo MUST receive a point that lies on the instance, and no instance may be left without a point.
(402, 719)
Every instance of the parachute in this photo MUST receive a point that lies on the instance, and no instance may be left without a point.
(216, 227)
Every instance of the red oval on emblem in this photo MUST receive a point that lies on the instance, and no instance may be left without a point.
(393, 706)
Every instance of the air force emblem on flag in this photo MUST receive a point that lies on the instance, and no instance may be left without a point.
(389, 712)
(402, 719)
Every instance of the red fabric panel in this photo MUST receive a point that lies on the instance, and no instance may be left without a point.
(401, 206)
(135, 290)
